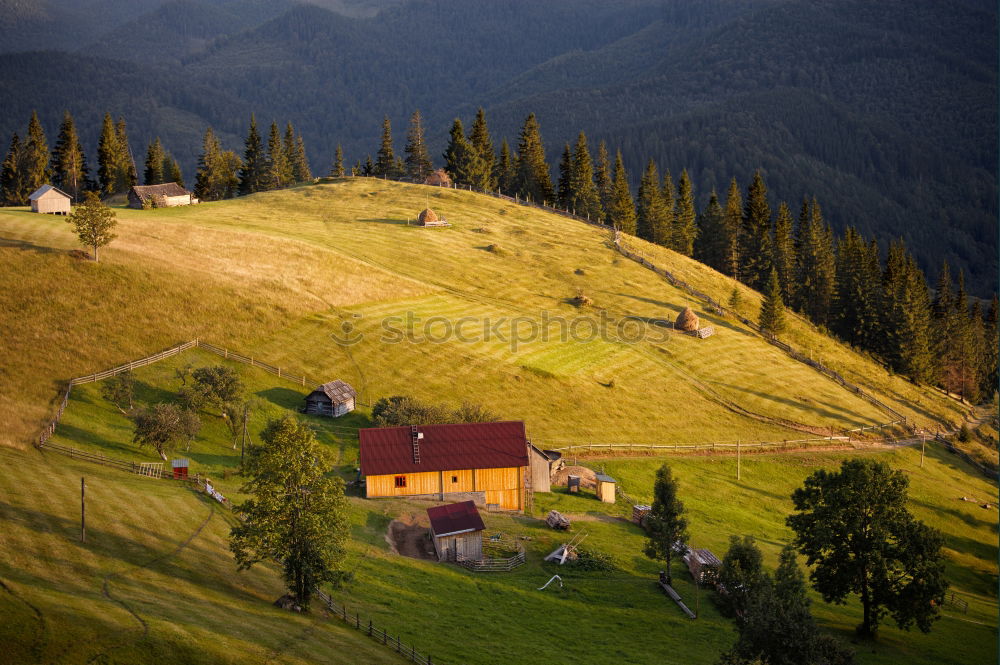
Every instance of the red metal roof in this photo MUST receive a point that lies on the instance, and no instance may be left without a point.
(387, 450)
(455, 518)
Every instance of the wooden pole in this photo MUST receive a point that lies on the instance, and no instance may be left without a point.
(83, 511)
(738, 459)
(923, 443)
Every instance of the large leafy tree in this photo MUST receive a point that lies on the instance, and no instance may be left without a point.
(69, 164)
(94, 223)
(533, 180)
(418, 159)
(164, 425)
(741, 575)
(854, 528)
(666, 526)
(297, 512)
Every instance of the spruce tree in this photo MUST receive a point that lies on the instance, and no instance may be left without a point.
(461, 160)
(385, 160)
(36, 156)
(107, 156)
(665, 523)
(816, 266)
(711, 244)
(14, 192)
(337, 170)
(909, 347)
(533, 181)
(604, 183)
(991, 344)
(686, 227)
(505, 172)
(418, 159)
(369, 167)
(783, 244)
(943, 312)
(669, 194)
(126, 175)
(755, 236)
(204, 179)
(772, 308)
(172, 170)
(733, 222)
(69, 164)
(252, 173)
(854, 312)
(278, 172)
(300, 162)
(153, 174)
(480, 139)
(961, 360)
(622, 212)
(586, 199)
(564, 193)
(651, 214)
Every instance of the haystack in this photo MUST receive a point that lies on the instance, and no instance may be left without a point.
(687, 321)
(426, 217)
(438, 178)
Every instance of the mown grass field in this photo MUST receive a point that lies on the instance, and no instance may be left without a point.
(330, 281)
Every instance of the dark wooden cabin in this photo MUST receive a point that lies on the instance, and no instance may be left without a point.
(332, 399)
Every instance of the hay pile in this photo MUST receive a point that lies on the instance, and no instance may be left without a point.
(439, 179)
(687, 321)
(428, 216)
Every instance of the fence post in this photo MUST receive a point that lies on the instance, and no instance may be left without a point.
(369, 628)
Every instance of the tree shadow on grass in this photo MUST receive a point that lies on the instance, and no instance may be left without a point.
(703, 314)
(388, 220)
(831, 412)
(30, 246)
(283, 397)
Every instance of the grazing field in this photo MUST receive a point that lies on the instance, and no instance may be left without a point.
(331, 281)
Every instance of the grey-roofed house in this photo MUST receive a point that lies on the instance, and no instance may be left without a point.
(167, 195)
(332, 399)
(49, 199)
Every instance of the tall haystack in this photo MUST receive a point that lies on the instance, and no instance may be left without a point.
(687, 321)
(426, 217)
(438, 178)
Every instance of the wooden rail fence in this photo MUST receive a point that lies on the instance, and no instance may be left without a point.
(492, 565)
(380, 635)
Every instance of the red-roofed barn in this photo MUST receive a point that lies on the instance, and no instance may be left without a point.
(484, 462)
(457, 531)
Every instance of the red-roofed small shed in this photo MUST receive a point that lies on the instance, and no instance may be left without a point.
(457, 530)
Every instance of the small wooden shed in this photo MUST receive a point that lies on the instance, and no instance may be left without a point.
(332, 399)
(605, 488)
(167, 195)
(179, 467)
(457, 531)
(703, 565)
(50, 200)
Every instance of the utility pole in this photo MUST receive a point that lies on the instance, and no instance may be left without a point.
(923, 444)
(738, 459)
(83, 511)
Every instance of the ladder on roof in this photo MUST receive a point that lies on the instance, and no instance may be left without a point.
(415, 440)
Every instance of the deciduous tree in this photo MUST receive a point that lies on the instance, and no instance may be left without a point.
(94, 223)
(666, 526)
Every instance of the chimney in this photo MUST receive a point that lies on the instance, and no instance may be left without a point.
(415, 437)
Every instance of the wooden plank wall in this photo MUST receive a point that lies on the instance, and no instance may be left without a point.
(501, 486)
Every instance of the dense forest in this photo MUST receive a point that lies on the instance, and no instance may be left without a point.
(884, 111)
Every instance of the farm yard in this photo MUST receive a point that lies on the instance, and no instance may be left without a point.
(309, 279)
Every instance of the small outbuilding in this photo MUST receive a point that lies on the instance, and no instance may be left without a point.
(332, 399)
(457, 531)
(703, 565)
(605, 488)
(438, 178)
(179, 467)
(50, 200)
(167, 195)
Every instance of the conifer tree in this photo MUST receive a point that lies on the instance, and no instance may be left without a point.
(505, 171)
(586, 199)
(669, 192)
(533, 181)
(961, 359)
(604, 183)
(126, 175)
(991, 345)
(651, 214)
(369, 166)
(943, 312)
(711, 244)
(172, 170)
(337, 170)
(564, 192)
(816, 266)
(14, 192)
(36, 156)
(385, 160)
(783, 245)
(686, 227)
(155, 157)
(908, 346)
(300, 162)
(755, 236)
(772, 308)
(218, 171)
(69, 164)
(418, 159)
(733, 221)
(252, 174)
(278, 172)
(461, 159)
(665, 523)
(854, 311)
(107, 156)
(480, 139)
(622, 212)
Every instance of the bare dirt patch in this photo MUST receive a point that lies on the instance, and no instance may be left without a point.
(409, 535)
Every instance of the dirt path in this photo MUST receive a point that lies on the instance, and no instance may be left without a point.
(102, 656)
(38, 641)
(409, 536)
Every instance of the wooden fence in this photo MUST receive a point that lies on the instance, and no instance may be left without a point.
(380, 635)
(695, 447)
(492, 564)
(718, 308)
(993, 474)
